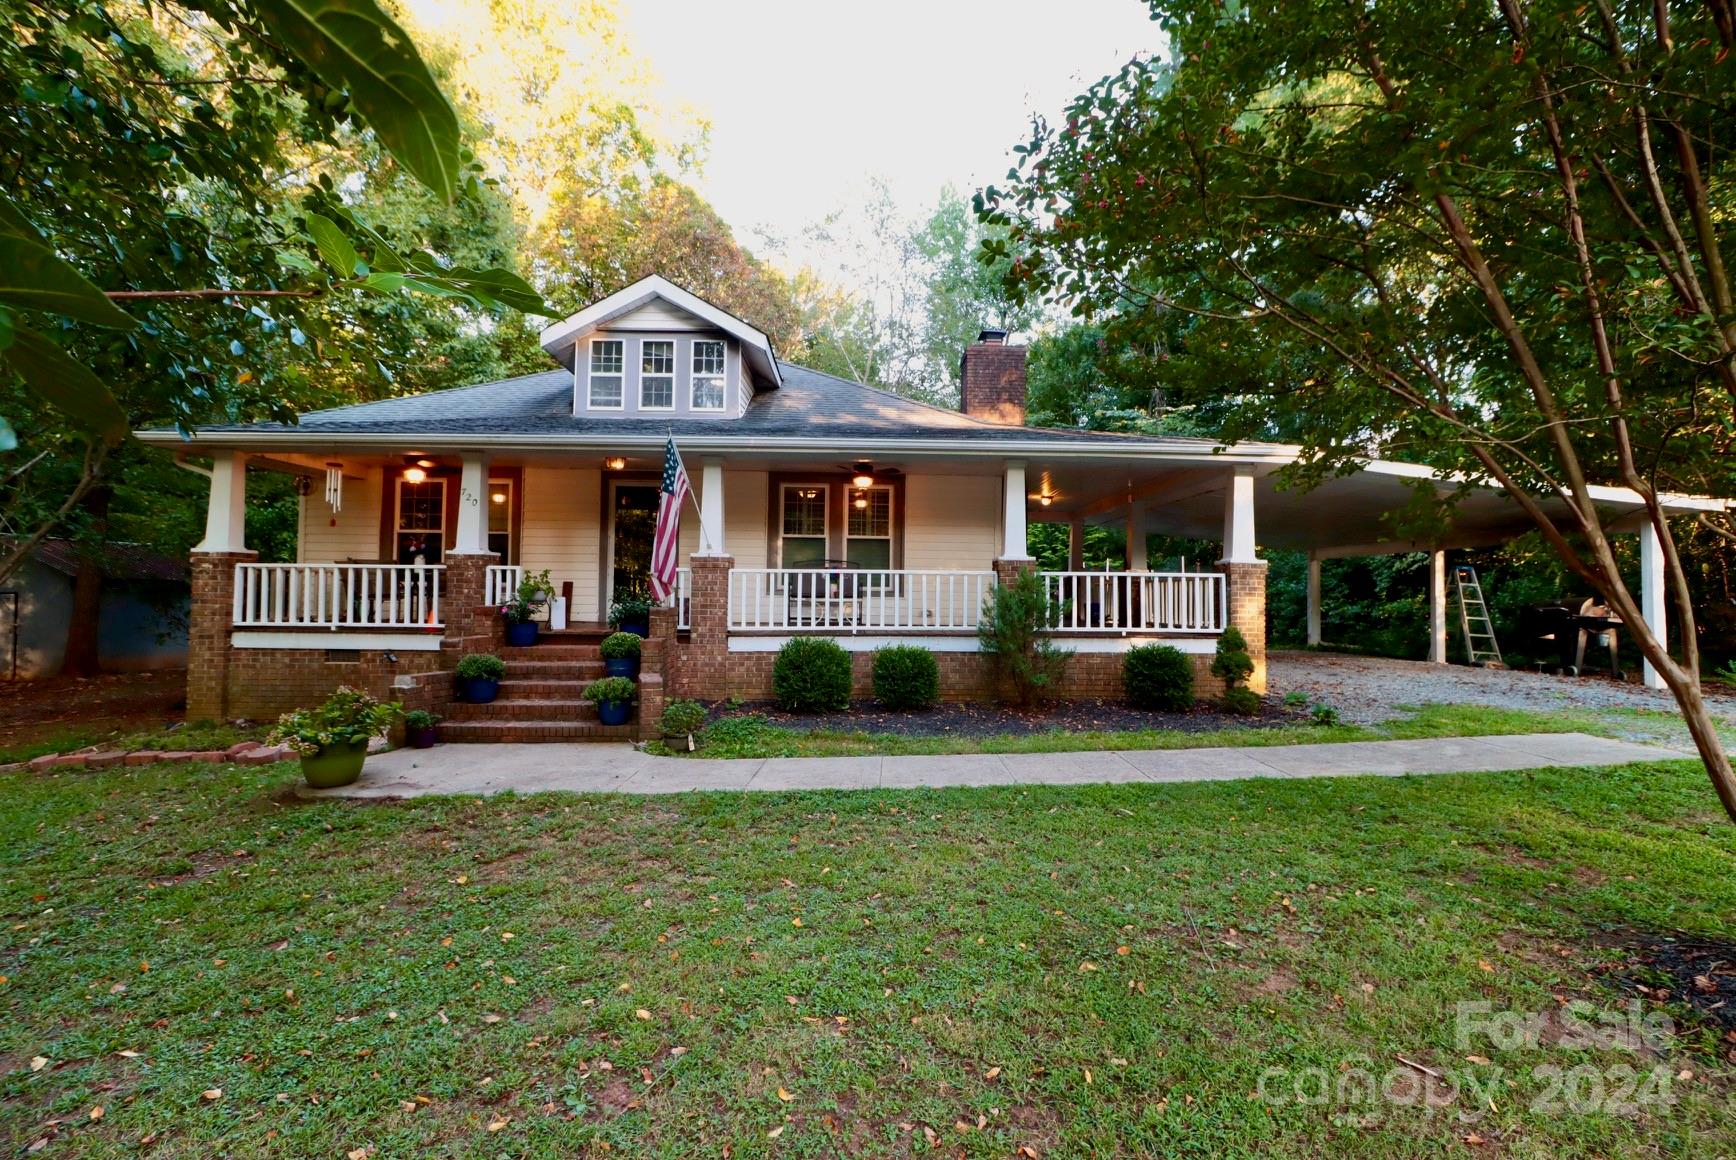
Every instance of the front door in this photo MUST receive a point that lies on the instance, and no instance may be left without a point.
(632, 525)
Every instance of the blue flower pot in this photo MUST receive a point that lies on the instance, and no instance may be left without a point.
(636, 626)
(621, 667)
(615, 712)
(478, 690)
(521, 635)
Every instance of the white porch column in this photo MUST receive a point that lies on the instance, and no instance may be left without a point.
(1313, 598)
(472, 535)
(1013, 545)
(1652, 594)
(1136, 561)
(1239, 518)
(711, 509)
(1438, 607)
(226, 515)
(1076, 544)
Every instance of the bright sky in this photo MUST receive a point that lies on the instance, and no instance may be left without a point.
(808, 99)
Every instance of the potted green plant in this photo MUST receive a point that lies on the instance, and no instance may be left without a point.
(419, 729)
(613, 697)
(333, 738)
(620, 652)
(631, 613)
(520, 611)
(479, 676)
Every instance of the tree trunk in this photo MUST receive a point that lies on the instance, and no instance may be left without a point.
(82, 646)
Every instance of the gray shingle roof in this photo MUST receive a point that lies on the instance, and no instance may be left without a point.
(810, 403)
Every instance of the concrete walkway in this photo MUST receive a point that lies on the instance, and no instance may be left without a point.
(591, 768)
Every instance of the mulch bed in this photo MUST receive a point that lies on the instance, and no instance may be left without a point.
(973, 719)
(1699, 973)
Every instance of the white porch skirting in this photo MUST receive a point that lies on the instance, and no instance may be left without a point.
(757, 643)
(374, 641)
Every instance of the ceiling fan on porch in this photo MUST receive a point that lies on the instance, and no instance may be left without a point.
(863, 473)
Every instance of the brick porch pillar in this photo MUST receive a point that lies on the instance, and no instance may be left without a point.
(210, 626)
(704, 669)
(1245, 590)
(471, 625)
(655, 663)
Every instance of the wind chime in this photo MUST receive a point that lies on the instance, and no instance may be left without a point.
(334, 491)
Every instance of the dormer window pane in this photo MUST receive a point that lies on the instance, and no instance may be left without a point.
(708, 376)
(657, 376)
(608, 361)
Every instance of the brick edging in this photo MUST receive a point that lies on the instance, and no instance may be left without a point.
(241, 753)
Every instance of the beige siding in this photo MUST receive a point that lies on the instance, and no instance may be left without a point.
(744, 518)
(951, 521)
(562, 512)
(350, 534)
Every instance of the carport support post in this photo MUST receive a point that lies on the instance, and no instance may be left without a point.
(1013, 542)
(1652, 595)
(1438, 606)
(1244, 572)
(1313, 598)
(1136, 561)
(211, 607)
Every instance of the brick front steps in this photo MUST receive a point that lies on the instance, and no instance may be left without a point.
(541, 699)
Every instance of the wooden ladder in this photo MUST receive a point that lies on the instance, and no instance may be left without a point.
(1481, 648)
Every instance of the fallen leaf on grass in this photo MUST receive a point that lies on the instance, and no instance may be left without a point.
(641, 1013)
(1486, 965)
(38, 1063)
(776, 1132)
(96, 1112)
(496, 1125)
(211, 1094)
(786, 1095)
(991, 1073)
(358, 1154)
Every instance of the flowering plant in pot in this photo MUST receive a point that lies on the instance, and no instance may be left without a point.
(613, 697)
(620, 653)
(419, 728)
(333, 738)
(520, 614)
(631, 613)
(479, 676)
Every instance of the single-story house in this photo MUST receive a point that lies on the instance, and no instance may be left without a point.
(823, 506)
(141, 614)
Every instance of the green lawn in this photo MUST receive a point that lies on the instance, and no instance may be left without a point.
(751, 735)
(1088, 971)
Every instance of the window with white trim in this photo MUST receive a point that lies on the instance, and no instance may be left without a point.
(657, 375)
(868, 528)
(608, 364)
(802, 542)
(421, 527)
(708, 375)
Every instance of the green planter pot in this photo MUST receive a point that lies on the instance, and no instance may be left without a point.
(334, 765)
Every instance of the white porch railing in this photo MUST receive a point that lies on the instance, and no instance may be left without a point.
(1129, 602)
(338, 595)
(500, 582)
(856, 599)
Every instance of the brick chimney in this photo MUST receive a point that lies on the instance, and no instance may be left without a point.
(992, 380)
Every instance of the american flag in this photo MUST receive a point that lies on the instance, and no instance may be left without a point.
(665, 549)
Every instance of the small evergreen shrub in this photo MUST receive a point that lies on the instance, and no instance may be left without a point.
(617, 690)
(481, 667)
(811, 675)
(1242, 702)
(618, 645)
(1323, 714)
(1156, 676)
(681, 718)
(906, 676)
(1026, 663)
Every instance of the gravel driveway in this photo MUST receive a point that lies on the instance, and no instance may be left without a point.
(1369, 690)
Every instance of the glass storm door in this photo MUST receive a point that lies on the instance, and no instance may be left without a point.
(633, 524)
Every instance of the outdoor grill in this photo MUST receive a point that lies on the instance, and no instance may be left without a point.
(1568, 629)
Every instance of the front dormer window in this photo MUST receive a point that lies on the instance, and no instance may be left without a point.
(708, 375)
(608, 362)
(657, 376)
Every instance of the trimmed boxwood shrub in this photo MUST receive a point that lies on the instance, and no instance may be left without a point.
(811, 675)
(906, 676)
(681, 717)
(1156, 676)
(619, 645)
(481, 667)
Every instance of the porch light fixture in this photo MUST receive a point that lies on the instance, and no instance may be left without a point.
(424, 463)
(615, 463)
(1045, 499)
(498, 497)
(864, 475)
(414, 475)
(861, 501)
